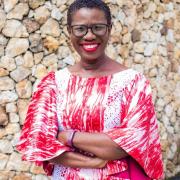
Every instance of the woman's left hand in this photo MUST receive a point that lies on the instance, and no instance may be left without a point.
(63, 137)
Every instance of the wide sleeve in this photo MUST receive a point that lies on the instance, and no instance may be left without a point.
(138, 132)
(38, 141)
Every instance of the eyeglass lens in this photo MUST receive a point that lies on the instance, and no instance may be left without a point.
(97, 29)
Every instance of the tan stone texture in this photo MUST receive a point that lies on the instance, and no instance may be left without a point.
(34, 41)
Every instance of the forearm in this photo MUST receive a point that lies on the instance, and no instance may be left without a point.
(77, 160)
(99, 144)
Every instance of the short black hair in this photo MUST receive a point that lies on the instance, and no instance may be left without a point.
(78, 4)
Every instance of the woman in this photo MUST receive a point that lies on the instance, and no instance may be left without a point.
(94, 120)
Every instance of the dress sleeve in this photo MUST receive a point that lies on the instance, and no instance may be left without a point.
(138, 132)
(38, 141)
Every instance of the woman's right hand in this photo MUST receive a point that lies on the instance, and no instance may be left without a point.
(98, 163)
(77, 160)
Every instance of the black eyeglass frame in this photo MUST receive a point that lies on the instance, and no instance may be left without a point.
(89, 27)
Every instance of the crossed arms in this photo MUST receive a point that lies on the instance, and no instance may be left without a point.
(98, 144)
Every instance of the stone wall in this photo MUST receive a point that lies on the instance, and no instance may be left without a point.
(34, 41)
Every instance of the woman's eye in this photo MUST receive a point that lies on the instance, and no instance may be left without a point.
(80, 29)
(98, 28)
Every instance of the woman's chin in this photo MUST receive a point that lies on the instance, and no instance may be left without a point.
(91, 58)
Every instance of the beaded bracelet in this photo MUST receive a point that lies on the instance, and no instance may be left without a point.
(70, 138)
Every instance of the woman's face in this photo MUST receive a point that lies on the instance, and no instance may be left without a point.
(91, 46)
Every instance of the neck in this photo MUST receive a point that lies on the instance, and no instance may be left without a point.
(94, 65)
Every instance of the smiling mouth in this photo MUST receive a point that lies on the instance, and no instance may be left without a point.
(90, 47)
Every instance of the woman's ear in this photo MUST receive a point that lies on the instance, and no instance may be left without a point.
(110, 28)
(68, 29)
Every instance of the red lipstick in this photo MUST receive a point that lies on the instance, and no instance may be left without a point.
(90, 47)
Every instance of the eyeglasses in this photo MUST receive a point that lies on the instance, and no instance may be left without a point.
(96, 29)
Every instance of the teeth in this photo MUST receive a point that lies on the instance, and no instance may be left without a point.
(90, 46)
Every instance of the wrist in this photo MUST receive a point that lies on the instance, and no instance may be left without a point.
(70, 138)
(66, 137)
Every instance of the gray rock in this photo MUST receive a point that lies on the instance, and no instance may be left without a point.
(3, 161)
(153, 72)
(11, 108)
(2, 52)
(14, 28)
(31, 14)
(162, 51)
(15, 163)
(60, 3)
(19, 60)
(13, 118)
(39, 71)
(15, 139)
(38, 57)
(7, 96)
(126, 38)
(6, 83)
(170, 6)
(5, 147)
(41, 177)
(6, 175)
(20, 73)
(12, 128)
(139, 58)
(17, 46)
(8, 63)
(69, 60)
(170, 35)
(149, 49)
(49, 5)
(36, 3)
(51, 27)
(50, 59)
(2, 19)
(3, 40)
(9, 4)
(169, 110)
(41, 14)
(151, 8)
(19, 11)
(22, 109)
(28, 59)
(161, 18)
(63, 52)
(178, 112)
(139, 47)
(24, 89)
(121, 16)
(56, 14)
(35, 43)
(149, 36)
(139, 67)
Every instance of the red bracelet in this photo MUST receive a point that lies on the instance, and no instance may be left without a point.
(70, 138)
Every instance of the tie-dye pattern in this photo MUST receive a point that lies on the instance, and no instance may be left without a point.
(119, 105)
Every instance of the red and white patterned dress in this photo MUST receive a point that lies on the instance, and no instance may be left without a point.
(119, 105)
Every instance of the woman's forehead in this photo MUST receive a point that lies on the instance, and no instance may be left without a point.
(88, 14)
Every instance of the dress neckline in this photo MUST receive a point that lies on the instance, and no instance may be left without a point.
(96, 77)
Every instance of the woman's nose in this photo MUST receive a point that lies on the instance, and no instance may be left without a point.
(89, 35)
